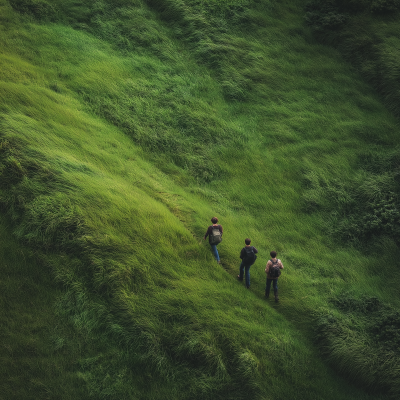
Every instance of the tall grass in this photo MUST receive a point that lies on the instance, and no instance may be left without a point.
(39, 352)
(124, 130)
(366, 33)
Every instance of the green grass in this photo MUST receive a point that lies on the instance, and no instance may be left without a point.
(367, 36)
(34, 359)
(123, 132)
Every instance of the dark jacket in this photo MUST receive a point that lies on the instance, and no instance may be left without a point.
(243, 254)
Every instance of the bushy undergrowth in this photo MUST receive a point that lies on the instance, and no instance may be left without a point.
(39, 9)
(362, 210)
(363, 340)
(366, 33)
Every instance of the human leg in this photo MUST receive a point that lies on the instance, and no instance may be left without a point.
(247, 275)
(275, 284)
(215, 251)
(241, 271)
(268, 287)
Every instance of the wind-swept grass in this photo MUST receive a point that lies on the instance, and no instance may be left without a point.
(124, 130)
(367, 34)
(35, 361)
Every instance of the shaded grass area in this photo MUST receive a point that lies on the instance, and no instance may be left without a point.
(364, 330)
(367, 34)
(122, 234)
(34, 361)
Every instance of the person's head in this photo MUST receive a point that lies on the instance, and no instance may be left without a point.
(273, 254)
(214, 220)
(247, 241)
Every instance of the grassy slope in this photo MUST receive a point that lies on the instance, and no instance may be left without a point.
(33, 363)
(369, 40)
(187, 326)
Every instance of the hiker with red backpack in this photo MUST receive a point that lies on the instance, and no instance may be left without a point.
(214, 233)
(273, 271)
(248, 256)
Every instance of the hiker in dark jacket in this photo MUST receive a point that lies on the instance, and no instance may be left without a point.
(248, 256)
(272, 269)
(214, 233)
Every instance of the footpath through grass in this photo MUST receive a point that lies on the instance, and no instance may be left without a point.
(123, 131)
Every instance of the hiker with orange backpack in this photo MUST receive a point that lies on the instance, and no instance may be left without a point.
(273, 271)
(214, 233)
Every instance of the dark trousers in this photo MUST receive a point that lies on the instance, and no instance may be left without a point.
(274, 284)
(246, 270)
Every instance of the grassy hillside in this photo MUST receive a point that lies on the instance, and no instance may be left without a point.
(125, 127)
(366, 32)
(34, 361)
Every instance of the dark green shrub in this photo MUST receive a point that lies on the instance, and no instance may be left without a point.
(39, 9)
(322, 16)
(353, 6)
(384, 6)
(362, 341)
(386, 329)
(361, 209)
(349, 26)
(365, 304)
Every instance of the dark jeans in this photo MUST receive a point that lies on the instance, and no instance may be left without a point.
(246, 269)
(274, 284)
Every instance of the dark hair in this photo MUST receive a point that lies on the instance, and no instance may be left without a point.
(273, 254)
(247, 241)
(214, 220)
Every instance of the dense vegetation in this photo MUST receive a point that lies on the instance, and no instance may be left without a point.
(366, 32)
(125, 126)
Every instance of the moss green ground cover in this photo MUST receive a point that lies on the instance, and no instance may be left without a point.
(124, 128)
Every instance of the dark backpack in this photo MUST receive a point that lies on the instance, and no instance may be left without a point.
(216, 235)
(250, 256)
(274, 270)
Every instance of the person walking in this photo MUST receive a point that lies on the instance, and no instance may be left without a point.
(248, 256)
(273, 271)
(214, 233)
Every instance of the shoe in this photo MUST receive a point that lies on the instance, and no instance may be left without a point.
(247, 287)
(239, 278)
(219, 261)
